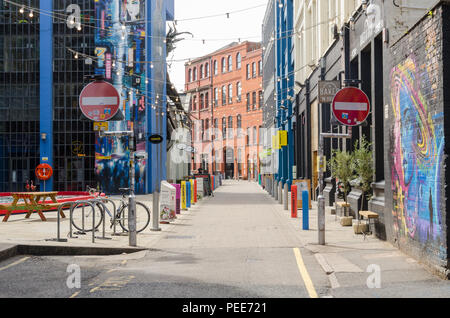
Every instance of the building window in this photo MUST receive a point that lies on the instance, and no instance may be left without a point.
(224, 65)
(260, 99)
(254, 136)
(190, 75)
(216, 68)
(207, 129)
(230, 127)
(195, 74)
(253, 69)
(248, 136)
(224, 95)
(224, 128)
(239, 125)
(207, 70)
(238, 61)
(216, 128)
(202, 130)
(260, 68)
(195, 103)
(201, 72)
(248, 71)
(254, 100)
(206, 100)
(230, 63)
(201, 101)
(230, 94)
(239, 91)
(216, 96)
(248, 101)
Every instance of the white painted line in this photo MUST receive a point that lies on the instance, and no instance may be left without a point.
(99, 101)
(350, 106)
(14, 264)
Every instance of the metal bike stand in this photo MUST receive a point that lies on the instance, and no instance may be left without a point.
(103, 208)
(114, 215)
(58, 231)
(74, 206)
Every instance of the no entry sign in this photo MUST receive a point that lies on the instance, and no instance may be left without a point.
(99, 101)
(351, 106)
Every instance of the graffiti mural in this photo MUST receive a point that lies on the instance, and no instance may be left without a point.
(120, 51)
(417, 157)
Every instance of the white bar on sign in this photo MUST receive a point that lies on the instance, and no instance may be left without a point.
(350, 106)
(99, 101)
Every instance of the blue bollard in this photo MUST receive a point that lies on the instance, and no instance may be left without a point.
(188, 195)
(305, 210)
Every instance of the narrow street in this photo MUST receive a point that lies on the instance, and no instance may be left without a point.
(237, 244)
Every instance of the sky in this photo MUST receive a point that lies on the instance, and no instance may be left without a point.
(217, 31)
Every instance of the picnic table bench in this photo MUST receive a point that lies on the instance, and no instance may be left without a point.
(32, 202)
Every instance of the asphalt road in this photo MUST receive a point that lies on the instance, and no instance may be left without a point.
(235, 245)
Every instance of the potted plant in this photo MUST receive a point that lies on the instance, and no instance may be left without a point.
(342, 167)
(363, 163)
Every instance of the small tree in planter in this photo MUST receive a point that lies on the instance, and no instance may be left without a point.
(342, 167)
(363, 157)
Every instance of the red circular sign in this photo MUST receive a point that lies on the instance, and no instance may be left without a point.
(99, 101)
(351, 106)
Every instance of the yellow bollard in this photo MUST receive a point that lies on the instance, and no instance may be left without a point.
(183, 195)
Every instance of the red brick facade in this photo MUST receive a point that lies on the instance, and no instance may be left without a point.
(233, 147)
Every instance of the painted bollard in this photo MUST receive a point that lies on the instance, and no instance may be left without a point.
(183, 195)
(294, 201)
(195, 191)
(192, 192)
(212, 183)
(305, 210)
(188, 195)
(178, 198)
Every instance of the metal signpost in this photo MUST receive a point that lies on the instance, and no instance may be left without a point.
(99, 101)
(351, 108)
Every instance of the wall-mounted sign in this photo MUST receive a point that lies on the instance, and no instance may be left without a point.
(327, 91)
(155, 139)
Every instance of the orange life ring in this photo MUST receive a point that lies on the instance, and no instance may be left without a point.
(44, 171)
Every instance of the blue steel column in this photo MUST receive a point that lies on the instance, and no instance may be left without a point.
(279, 68)
(290, 89)
(46, 88)
(150, 113)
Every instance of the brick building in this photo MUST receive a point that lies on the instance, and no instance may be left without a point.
(225, 93)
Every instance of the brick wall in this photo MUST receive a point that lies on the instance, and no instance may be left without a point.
(416, 152)
(250, 118)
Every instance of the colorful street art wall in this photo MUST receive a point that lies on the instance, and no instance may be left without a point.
(120, 50)
(417, 158)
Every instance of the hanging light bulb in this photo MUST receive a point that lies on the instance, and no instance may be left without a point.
(22, 10)
(76, 56)
(31, 14)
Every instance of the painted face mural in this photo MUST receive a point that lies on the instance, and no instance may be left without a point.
(120, 47)
(417, 157)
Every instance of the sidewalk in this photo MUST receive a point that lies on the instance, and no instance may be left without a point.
(33, 232)
(349, 259)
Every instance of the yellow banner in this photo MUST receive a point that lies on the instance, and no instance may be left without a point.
(283, 135)
(276, 142)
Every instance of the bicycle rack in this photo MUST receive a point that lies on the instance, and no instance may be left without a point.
(58, 231)
(74, 206)
(102, 207)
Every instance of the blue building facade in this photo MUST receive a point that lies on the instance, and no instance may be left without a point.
(285, 95)
(123, 41)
